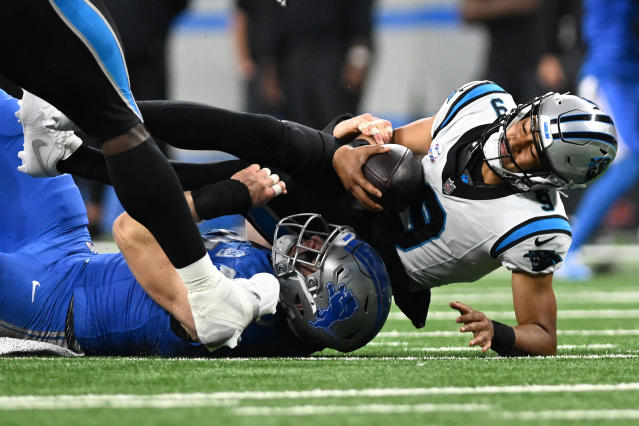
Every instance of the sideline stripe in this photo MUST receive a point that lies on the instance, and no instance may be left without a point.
(231, 398)
(395, 333)
(311, 410)
(562, 314)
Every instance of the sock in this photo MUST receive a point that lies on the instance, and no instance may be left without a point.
(200, 275)
(150, 192)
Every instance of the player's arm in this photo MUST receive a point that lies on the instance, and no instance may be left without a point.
(417, 136)
(536, 313)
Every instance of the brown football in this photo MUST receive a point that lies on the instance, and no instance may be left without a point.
(397, 174)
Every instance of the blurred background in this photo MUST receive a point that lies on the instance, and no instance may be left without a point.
(397, 59)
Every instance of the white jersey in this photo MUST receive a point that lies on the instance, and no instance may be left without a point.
(464, 231)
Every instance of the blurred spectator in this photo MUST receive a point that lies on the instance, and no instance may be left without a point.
(308, 61)
(610, 76)
(256, 25)
(144, 26)
(558, 33)
(514, 46)
(326, 58)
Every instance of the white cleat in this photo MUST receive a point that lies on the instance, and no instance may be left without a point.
(44, 145)
(221, 314)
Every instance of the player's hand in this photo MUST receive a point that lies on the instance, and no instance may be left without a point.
(475, 322)
(348, 162)
(262, 185)
(366, 124)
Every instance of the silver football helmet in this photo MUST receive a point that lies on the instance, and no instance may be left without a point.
(334, 287)
(575, 139)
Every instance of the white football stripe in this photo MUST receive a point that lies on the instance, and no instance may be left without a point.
(570, 415)
(231, 398)
(312, 410)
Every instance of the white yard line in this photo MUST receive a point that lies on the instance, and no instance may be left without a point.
(311, 410)
(569, 415)
(561, 314)
(231, 398)
(622, 332)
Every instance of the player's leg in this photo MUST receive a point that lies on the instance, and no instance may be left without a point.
(299, 150)
(88, 81)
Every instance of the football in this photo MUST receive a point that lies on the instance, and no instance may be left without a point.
(397, 174)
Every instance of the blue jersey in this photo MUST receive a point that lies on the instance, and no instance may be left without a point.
(114, 316)
(611, 32)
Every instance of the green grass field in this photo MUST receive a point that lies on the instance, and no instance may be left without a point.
(405, 376)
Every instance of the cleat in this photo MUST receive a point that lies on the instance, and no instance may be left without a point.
(266, 288)
(44, 145)
(223, 312)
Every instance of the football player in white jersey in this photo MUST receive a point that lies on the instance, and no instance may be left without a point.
(492, 172)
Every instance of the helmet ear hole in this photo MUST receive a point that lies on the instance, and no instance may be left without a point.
(366, 305)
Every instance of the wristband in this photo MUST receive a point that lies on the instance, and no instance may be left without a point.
(221, 198)
(503, 338)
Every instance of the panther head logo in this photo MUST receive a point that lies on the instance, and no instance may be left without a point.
(342, 305)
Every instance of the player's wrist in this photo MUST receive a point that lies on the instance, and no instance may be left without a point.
(503, 340)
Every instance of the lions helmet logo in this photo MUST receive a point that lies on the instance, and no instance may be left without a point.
(342, 305)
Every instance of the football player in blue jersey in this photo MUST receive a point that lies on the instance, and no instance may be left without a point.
(55, 289)
(492, 172)
(609, 75)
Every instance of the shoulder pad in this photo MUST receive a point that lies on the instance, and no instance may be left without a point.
(461, 98)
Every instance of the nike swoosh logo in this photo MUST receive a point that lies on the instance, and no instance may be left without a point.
(34, 284)
(36, 145)
(540, 243)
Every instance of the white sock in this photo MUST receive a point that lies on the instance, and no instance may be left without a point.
(200, 275)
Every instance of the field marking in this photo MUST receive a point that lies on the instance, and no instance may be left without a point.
(72, 402)
(311, 410)
(231, 398)
(562, 314)
(565, 296)
(395, 333)
(314, 410)
(407, 346)
(569, 415)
